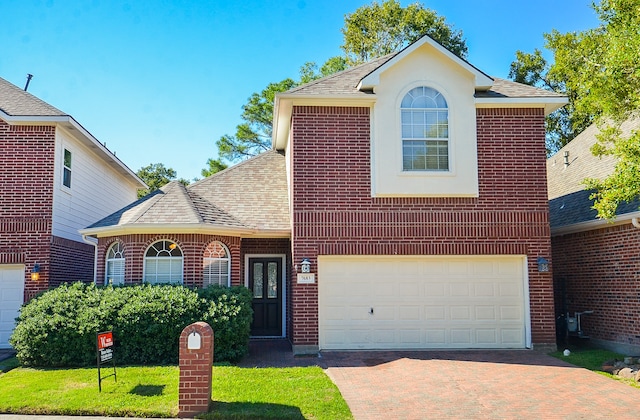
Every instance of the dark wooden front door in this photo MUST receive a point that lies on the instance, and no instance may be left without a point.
(265, 283)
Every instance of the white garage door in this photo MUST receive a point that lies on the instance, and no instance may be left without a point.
(422, 302)
(11, 298)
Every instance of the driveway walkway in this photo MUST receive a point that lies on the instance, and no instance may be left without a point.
(517, 384)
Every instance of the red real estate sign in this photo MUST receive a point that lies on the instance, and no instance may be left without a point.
(105, 340)
(104, 353)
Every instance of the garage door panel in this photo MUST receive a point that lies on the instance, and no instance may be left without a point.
(409, 313)
(11, 298)
(486, 313)
(486, 337)
(422, 302)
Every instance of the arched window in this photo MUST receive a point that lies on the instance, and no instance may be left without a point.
(216, 265)
(425, 130)
(114, 273)
(163, 263)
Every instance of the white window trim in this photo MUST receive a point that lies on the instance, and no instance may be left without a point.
(283, 257)
(451, 128)
(206, 281)
(114, 260)
(156, 258)
(66, 168)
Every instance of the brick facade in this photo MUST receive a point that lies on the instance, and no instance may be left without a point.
(334, 214)
(26, 211)
(26, 199)
(192, 247)
(599, 270)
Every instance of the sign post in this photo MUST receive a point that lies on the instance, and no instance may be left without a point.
(104, 355)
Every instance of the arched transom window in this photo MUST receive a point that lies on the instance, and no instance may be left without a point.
(163, 263)
(425, 130)
(114, 273)
(216, 265)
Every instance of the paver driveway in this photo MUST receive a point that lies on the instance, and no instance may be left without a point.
(477, 384)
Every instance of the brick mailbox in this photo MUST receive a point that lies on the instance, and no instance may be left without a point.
(196, 361)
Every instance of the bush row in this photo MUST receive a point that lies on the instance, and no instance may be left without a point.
(58, 328)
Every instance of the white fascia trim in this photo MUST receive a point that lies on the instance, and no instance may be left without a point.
(482, 81)
(549, 104)
(594, 224)
(283, 108)
(69, 123)
(168, 228)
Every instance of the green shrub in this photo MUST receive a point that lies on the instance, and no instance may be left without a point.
(58, 328)
(228, 311)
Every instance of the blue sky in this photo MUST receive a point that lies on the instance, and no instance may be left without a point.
(161, 81)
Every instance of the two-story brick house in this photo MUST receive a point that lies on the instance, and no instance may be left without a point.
(55, 178)
(404, 206)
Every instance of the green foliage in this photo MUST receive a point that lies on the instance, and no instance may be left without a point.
(215, 166)
(228, 311)
(564, 124)
(381, 28)
(603, 66)
(253, 136)
(59, 327)
(156, 175)
(309, 70)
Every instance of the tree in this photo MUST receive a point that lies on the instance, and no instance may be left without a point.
(564, 124)
(309, 70)
(369, 32)
(253, 136)
(607, 72)
(156, 175)
(215, 166)
(382, 28)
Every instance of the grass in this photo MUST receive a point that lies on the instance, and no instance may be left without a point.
(593, 359)
(238, 393)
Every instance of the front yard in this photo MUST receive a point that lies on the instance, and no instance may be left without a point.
(238, 393)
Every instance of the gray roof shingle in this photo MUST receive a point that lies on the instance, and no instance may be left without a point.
(250, 195)
(569, 202)
(16, 102)
(346, 83)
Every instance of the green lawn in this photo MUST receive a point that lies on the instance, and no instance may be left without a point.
(593, 359)
(238, 393)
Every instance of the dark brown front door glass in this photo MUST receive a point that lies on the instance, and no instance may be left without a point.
(265, 282)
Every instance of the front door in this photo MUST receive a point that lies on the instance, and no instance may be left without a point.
(265, 283)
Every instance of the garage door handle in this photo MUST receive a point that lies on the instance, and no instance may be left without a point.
(371, 311)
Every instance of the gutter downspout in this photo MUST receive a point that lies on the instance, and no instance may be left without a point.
(636, 222)
(93, 241)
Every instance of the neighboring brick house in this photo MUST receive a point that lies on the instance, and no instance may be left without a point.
(55, 178)
(404, 206)
(596, 263)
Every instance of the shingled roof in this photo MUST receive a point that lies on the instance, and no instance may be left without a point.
(569, 202)
(250, 198)
(345, 83)
(16, 102)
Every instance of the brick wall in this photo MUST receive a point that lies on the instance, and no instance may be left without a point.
(599, 270)
(26, 199)
(192, 246)
(334, 213)
(71, 261)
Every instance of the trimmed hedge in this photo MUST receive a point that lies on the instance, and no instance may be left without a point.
(58, 328)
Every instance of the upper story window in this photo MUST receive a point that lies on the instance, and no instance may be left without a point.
(114, 273)
(425, 130)
(216, 265)
(163, 263)
(66, 174)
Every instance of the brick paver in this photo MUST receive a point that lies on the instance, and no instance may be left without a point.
(469, 384)
(478, 384)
